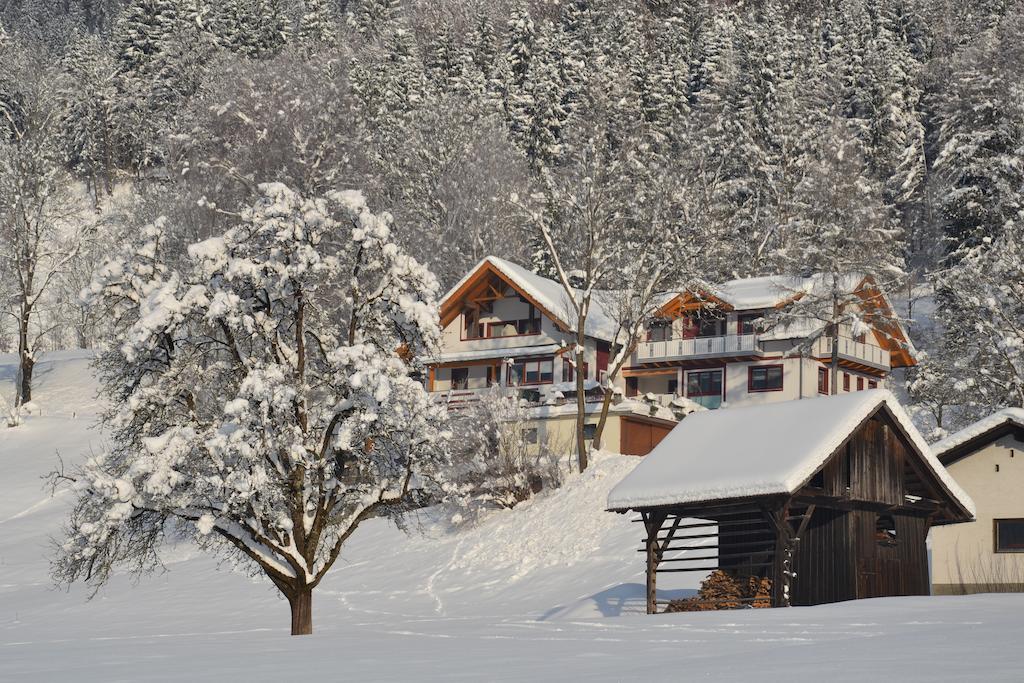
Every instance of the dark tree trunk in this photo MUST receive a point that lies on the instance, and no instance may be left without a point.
(25, 361)
(301, 603)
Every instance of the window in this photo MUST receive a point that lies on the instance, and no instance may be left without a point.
(822, 380)
(764, 378)
(460, 378)
(704, 383)
(589, 430)
(860, 384)
(471, 329)
(885, 530)
(659, 330)
(710, 325)
(530, 435)
(872, 384)
(569, 372)
(1009, 535)
(513, 328)
(632, 386)
(537, 371)
(673, 386)
(492, 375)
(746, 323)
(846, 381)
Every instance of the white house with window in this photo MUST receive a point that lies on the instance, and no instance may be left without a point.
(987, 460)
(706, 346)
(504, 325)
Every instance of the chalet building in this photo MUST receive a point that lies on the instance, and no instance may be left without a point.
(821, 500)
(506, 326)
(706, 345)
(987, 555)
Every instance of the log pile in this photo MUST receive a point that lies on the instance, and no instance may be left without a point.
(721, 590)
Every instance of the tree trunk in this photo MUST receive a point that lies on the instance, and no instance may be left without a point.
(301, 603)
(581, 406)
(606, 403)
(23, 390)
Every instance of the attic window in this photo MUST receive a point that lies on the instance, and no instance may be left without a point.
(885, 530)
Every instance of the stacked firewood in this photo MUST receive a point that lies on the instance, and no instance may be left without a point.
(721, 590)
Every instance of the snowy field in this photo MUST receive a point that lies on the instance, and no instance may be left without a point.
(548, 591)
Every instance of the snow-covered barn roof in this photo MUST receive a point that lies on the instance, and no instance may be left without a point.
(982, 432)
(547, 295)
(761, 450)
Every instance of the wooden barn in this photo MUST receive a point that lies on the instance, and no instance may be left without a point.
(816, 501)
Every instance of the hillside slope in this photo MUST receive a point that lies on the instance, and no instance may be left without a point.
(551, 589)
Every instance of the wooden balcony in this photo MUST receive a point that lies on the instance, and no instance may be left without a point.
(700, 347)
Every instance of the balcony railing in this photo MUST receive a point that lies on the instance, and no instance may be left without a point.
(850, 349)
(647, 352)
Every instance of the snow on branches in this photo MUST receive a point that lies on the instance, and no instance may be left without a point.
(981, 308)
(265, 393)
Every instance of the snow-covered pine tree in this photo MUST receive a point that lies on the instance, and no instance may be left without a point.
(981, 133)
(88, 97)
(981, 312)
(372, 18)
(141, 36)
(318, 25)
(254, 28)
(265, 396)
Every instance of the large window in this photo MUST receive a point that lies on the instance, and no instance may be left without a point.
(704, 383)
(705, 387)
(764, 378)
(460, 378)
(533, 371)
(1009, 535)
(513, 328)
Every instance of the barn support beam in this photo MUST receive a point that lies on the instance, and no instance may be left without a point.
(653, 521)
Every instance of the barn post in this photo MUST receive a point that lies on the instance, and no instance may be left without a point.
(782, 558)
(652, 523)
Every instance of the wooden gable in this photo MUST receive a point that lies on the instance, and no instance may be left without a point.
(483, 287)
(878, 464)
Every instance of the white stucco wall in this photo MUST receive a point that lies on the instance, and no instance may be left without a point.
(965, 553)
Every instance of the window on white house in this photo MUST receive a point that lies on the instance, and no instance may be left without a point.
(822, 380)
(460, 378)
(1009, 535)
(536, 371)
(764, 378)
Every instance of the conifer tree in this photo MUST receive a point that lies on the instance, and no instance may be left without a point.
(318, 25)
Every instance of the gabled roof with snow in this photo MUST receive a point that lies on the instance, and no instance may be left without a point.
(546, 294)
(761, 450)
(978, 435)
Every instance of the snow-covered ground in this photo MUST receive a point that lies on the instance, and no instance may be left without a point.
(548, 591)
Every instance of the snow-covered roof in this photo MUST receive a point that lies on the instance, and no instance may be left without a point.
(760, 450)
(547, 293)
(754, 293)
(1012, 416)
(481, 354)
